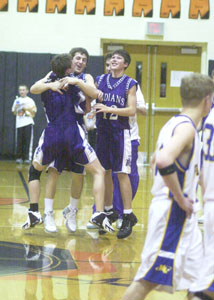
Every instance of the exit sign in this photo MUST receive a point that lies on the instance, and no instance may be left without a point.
(154, 28)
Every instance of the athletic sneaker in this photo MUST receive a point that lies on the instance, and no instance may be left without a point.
(112, 215)
(34, 218)
(70, 218)
(19, 161)
(49, 222)
(119, 223)
(91, 226)
(129, 220)
(100, 219)
(27, 161)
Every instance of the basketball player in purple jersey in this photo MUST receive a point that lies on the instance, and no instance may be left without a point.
(113, 133)
(117, 206)
(80, 58)
(63, 136)
(135, 142)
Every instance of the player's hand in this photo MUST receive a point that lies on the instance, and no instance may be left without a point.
(91, 115)
(68, 80)
(187, 205)
(56, 86)
(100, 95)
(102, 108)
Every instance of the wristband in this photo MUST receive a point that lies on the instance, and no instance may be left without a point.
(167, 170)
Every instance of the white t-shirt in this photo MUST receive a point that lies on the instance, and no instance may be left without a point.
(24, 120)
(133, 120)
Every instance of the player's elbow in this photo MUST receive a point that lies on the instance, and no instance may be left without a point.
(163, 160)
(33, 90)
(132, 111)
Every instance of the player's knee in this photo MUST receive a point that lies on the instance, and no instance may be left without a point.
(53, 172)
(37, 166)
(34, 174)
(122, 176)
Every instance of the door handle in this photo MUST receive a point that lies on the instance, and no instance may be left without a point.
(164, 109)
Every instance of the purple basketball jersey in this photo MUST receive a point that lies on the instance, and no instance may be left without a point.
(115, 92)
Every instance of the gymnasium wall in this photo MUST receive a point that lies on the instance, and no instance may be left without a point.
(47, 26)
(26, 68)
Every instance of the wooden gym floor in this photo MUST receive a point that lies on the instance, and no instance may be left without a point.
(35, 265)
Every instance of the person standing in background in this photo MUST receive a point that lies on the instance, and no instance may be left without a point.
(24, 108)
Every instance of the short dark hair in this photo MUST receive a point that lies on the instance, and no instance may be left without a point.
(108, 56)
(23, 85)
(124, 54)
(60, 63)
(73, 51)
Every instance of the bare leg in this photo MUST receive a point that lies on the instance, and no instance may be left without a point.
(109, 189)
(77, 185)
(50, 188)
(126, 190)
(34, 216)
(98, 174)
(50, 191)
(138, 290)
(34, 191)
(34, 186)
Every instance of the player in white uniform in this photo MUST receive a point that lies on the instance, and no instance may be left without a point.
(204, 285)
(173, 245)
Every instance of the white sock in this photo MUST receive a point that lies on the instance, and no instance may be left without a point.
(73, 203)
(108, 207)
(127, 211)
(48, 205)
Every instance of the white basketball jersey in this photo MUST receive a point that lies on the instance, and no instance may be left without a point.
(208, 157)
(188, 176)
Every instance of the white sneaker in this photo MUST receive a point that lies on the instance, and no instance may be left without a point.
(70, 218)
(201, 220)
(91, 226)
(119, 223)
(49, 222)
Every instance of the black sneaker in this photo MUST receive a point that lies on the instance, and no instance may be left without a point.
(100, 219)
(34, 217)
(129, 220)
(112, 215)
